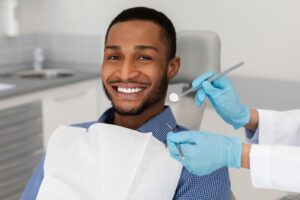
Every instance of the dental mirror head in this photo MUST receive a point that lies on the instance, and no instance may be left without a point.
(173, 97)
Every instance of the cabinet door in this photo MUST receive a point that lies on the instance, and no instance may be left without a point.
(21, 147)
(73, 106)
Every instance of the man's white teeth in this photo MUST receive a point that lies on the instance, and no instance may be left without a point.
(129, 90)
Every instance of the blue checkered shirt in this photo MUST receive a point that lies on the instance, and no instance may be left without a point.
(215, 186)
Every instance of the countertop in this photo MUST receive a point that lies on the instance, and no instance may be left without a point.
(29, 85)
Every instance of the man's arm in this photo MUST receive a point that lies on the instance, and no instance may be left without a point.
(33, 186)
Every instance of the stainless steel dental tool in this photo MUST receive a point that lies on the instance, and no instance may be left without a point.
(173, 97)
(177, 144)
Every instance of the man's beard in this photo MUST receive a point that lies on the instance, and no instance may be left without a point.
(156, 95)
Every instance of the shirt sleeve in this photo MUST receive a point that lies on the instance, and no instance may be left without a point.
(252, 137)
(33, 186)
(266, 126)
(266, 123)
(275, 167)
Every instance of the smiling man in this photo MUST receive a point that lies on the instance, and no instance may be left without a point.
(136, 70)
(139, 60)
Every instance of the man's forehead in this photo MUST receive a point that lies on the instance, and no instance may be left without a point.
(136, 23)
(134, 30)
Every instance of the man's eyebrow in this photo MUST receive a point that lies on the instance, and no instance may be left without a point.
(138, 47)
(145, 47)
(113, 47)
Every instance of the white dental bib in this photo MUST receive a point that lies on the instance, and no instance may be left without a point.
(107, 162)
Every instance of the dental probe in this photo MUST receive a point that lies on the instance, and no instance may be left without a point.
(173, 97)
(177, 144)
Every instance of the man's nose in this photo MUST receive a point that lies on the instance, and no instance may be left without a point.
(128, 71)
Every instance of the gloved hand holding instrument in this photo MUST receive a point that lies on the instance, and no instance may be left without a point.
(206, 152)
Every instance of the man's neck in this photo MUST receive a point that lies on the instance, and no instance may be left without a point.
(136, 121)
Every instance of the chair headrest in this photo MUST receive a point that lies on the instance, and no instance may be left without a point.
(199, 51)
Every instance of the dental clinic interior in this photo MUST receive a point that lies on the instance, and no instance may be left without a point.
(51, 53)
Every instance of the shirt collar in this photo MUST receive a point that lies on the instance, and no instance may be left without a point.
(159, 125)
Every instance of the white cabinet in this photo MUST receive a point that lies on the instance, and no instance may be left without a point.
(27, 121)
(21, 147)
(70, 105)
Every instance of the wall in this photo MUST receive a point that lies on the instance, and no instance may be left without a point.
(60, 48)
(28, 14)
(264, 34)
(14, 51)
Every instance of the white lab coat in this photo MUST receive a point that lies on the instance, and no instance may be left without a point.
(275, 162)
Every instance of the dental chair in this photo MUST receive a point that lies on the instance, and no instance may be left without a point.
(199, 51)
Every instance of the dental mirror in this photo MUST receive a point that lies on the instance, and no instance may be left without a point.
(173, 97)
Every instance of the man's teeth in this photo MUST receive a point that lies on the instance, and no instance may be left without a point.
(129, 90)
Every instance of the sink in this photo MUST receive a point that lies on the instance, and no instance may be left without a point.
(5, 75)
(46, 73)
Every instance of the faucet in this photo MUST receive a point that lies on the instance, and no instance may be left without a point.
(38, 59)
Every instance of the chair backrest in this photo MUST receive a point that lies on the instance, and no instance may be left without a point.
(199, 52)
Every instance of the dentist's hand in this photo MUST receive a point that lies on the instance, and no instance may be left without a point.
(205, 152)
(223, 98)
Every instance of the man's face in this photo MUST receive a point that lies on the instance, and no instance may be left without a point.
(134, 70)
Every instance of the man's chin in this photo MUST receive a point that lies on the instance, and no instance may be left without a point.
(128, 112)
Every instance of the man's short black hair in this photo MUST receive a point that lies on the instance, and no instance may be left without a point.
(143, 13)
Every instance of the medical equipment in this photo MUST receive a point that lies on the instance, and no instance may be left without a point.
(175, 97)
(177, 144)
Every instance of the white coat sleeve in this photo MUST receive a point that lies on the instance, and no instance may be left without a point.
(279, 128)
(275, 167)
(275, 162)
(276, 128)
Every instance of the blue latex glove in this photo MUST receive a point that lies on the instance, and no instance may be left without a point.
(205, 152)
(223, 98)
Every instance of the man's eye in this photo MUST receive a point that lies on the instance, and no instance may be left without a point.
(113, 58)
(144, 58)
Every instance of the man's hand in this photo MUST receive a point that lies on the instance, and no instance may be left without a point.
(205, 152)
(223, 98)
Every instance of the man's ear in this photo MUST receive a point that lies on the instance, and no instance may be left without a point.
(173, 67)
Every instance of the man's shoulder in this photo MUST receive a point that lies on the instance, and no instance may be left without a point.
(85, 125)
(181, 128)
